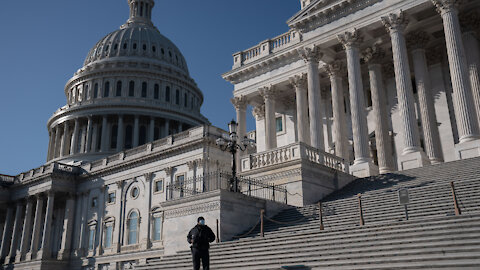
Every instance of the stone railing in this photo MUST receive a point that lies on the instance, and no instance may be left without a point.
(295, 151)
(6, 178)
(47, 169)
(265, 48)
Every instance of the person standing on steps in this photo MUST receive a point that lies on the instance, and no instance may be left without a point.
(200, 238)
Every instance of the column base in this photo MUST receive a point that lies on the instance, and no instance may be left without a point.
(18, 257)
(8, 259)
(412, 160)
(363, 169)
(468, 149)
(385, 170)
(43, 255)
(29, 256)
(63, 255)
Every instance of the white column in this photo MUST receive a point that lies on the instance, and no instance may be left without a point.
(101, 217)
(136, 131)
(94, 137)
(417, 41)
(16, 232)
(37, 226)
(83, 232)
(53, 135)
(268, 94)
(373, 56)
(66, 245)
(467, 122)
(83, 140)
(88, 144)
(58, 142)
(120, 134)
(50, 143)
(26, 232)
(167, 127)
(413, 155)
(363, 165)
(335, 71)
(299, 83)
(152, 129)
(240, 104)
(45, 251)
(327, 108)
(470, 23)
(258, 113)
(104, 139)
(74, 142)
(146, 225)
(7, 233)
(63, 145)
(312, 57)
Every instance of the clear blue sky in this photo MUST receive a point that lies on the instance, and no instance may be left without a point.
(44, 42)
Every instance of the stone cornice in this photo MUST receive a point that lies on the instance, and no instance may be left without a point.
(324, 12)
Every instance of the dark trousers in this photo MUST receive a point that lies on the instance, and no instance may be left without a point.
(202, 254)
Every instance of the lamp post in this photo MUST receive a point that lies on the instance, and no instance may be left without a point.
(230, 144)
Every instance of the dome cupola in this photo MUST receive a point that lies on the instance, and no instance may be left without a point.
(133, 88)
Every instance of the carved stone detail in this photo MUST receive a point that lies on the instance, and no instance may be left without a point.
(395, 21)
(310, 54)
(373, 55)
(444, 6)
(335, 68)
(268, 92)
(350, 38)
(240, 103)
(168, 170)
(299, 81)
(259, 111)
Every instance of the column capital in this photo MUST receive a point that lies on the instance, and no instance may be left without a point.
(417, 39)
(259, 111)
(395, 22)
(299, 81)
(191, 164)
(445, 6)
(268, 92)
(148, 176)
(169, 171)
(373, 55)
(350, 39)
(335, 68)
(240, 102)
(310, 54)
(470, 21)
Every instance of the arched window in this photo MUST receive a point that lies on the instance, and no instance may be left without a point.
(119, 89)
(144, 89)
(167, 94)
(128, 137)
(156, 91)
(113, 137)
(177, 97)
(142, 138)
(95, 91)
(132, 228)
(131, 89)
(106, 89)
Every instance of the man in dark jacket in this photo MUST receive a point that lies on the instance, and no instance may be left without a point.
(200, 237)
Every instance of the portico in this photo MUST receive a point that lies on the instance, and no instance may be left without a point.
(396, 111)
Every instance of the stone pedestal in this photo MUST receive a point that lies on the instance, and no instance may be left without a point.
(363, 169)
(469, 149)
(412, 160)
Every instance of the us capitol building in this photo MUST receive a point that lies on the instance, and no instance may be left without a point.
(355, 88)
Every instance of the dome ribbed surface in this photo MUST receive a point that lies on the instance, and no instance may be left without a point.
(137, 40)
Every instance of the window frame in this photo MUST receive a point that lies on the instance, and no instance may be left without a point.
(284, 129)
(155, 191)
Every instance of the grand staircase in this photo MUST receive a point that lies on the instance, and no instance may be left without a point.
(432, 238)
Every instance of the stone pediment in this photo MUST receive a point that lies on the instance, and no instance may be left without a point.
(322, 12)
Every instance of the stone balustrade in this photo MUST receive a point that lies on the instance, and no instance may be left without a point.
(266, 47)
(292, 152)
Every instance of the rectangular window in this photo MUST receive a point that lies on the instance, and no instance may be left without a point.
(91, 238)
(157, 228)
(177, 97)
(159, 186)
(94, 202)
(144, 90)
(156, 91)
(108, 236)
(180, 183)
(111, 197)
(167, 94)
(279, 124)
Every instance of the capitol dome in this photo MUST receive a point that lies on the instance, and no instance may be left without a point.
(134, 88)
